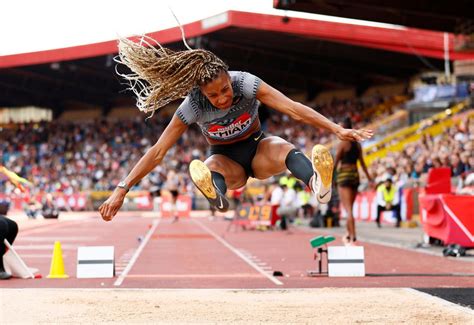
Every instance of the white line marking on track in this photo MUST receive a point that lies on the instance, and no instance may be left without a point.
(441, 300)
(197, 276)
(238, 253)
(49, 227)
(40, 255)
(33, 247)
(56, 238)
(137, 253)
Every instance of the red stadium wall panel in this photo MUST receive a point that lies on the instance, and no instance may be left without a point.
(75, 202)
(365, 207)
(448, 217)
(183, 205)
(143, 201)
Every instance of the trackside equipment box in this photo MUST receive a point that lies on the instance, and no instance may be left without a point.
(346, 261)
(95, 262)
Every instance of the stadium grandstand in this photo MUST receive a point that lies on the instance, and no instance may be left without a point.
(70, 130)
(369, 73)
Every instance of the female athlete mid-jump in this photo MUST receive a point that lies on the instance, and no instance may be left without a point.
(224, 104)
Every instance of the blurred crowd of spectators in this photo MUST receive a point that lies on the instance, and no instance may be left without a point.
(305, 136)
(94, 156)
(453, 149)
(82, 156)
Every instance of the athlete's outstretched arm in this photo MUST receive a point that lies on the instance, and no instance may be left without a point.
(146, 164)
(299, 112)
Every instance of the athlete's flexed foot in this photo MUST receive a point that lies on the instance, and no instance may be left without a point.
(323, 164)
(201, 177)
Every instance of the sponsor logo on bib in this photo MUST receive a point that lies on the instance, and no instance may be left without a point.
(237, 126)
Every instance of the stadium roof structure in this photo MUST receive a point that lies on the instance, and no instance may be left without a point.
(292, 54)
(447, 16)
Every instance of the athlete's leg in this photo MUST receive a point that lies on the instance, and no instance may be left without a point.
(347, 195)
(233, 173)
(214, 176)
(174, 208)
(353, 198)
(275, 155)
(271, 156)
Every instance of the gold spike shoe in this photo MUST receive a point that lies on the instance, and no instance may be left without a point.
(323, 166)
(202, 178)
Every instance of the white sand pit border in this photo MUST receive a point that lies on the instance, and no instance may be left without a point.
(217, 306)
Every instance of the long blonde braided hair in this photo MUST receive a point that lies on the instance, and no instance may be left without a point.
(160, 75)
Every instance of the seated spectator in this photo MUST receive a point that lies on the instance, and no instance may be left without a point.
(32, 207)
(388, 199)
(306, 210)
(467, 186)
(49, 208)
(276, 194)
(288, 206)
(8, 231)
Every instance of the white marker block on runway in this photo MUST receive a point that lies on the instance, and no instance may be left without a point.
(95, 262)
(346, 261)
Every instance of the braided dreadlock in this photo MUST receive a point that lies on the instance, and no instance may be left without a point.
(161, 75)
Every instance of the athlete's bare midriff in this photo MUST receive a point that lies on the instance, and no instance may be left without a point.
(347, 165)
(253, 128)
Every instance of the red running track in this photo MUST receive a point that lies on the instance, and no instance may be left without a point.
(199, 253)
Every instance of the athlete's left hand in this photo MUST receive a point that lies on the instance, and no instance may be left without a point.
(354, 135)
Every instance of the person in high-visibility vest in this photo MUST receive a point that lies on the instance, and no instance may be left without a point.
(388, 199)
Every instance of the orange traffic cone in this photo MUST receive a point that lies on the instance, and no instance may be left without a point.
(57, 264)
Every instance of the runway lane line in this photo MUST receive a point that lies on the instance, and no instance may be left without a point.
(195, 276)
(137, 253)
(238, 253)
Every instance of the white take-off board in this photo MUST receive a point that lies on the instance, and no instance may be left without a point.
(346, 261)
(95, 262)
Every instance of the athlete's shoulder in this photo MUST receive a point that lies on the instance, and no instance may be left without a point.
(190, 110)
(195, 94)
(246, 82)
(237, 75)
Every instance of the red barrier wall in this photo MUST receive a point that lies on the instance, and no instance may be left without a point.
(183, 205)
(448, 217)
(365, 207)
(75, 202)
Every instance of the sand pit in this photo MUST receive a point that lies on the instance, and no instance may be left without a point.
(306, 306)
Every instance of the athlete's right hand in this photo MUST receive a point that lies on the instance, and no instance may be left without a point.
(110, 207)
(354, 135)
